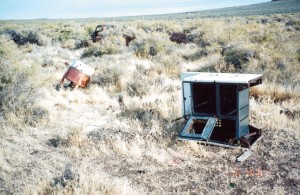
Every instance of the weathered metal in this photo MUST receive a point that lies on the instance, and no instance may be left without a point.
(78, 74)
(217, 105)
(242, 157)
(96, 35)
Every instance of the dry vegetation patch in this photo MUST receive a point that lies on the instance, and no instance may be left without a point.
(118, 135)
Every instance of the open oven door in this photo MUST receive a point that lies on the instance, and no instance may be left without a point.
(198, 128)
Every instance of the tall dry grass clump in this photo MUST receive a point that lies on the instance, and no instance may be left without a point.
(17, 92)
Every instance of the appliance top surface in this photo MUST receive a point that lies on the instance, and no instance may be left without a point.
(223, 77)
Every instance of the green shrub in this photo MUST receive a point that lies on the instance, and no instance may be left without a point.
(153, 44)
(82, 43)
(237, 56)
(198, 37)
(199, 53)
(148, 47)
(71, 31)
(91, 51)
(28, 36)
(70, 44)
(110, 45)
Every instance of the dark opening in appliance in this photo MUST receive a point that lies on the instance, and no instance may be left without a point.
(228, 99)
(210, 128)
(204, 98)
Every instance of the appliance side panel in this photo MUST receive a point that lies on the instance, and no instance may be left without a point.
(244, 126)
(187, 98)
(243, 98)
(243, 115)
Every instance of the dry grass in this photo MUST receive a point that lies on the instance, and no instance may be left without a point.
(116, 137)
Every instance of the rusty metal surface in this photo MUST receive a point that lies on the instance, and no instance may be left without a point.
(248, 140)
(83, 81)
(77, 78)
(72, 74)
(96, 35)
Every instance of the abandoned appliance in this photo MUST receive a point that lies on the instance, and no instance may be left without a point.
(216, 107)
(78, 74)
(96, 35)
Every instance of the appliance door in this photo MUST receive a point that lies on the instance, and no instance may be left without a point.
(198, 128)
